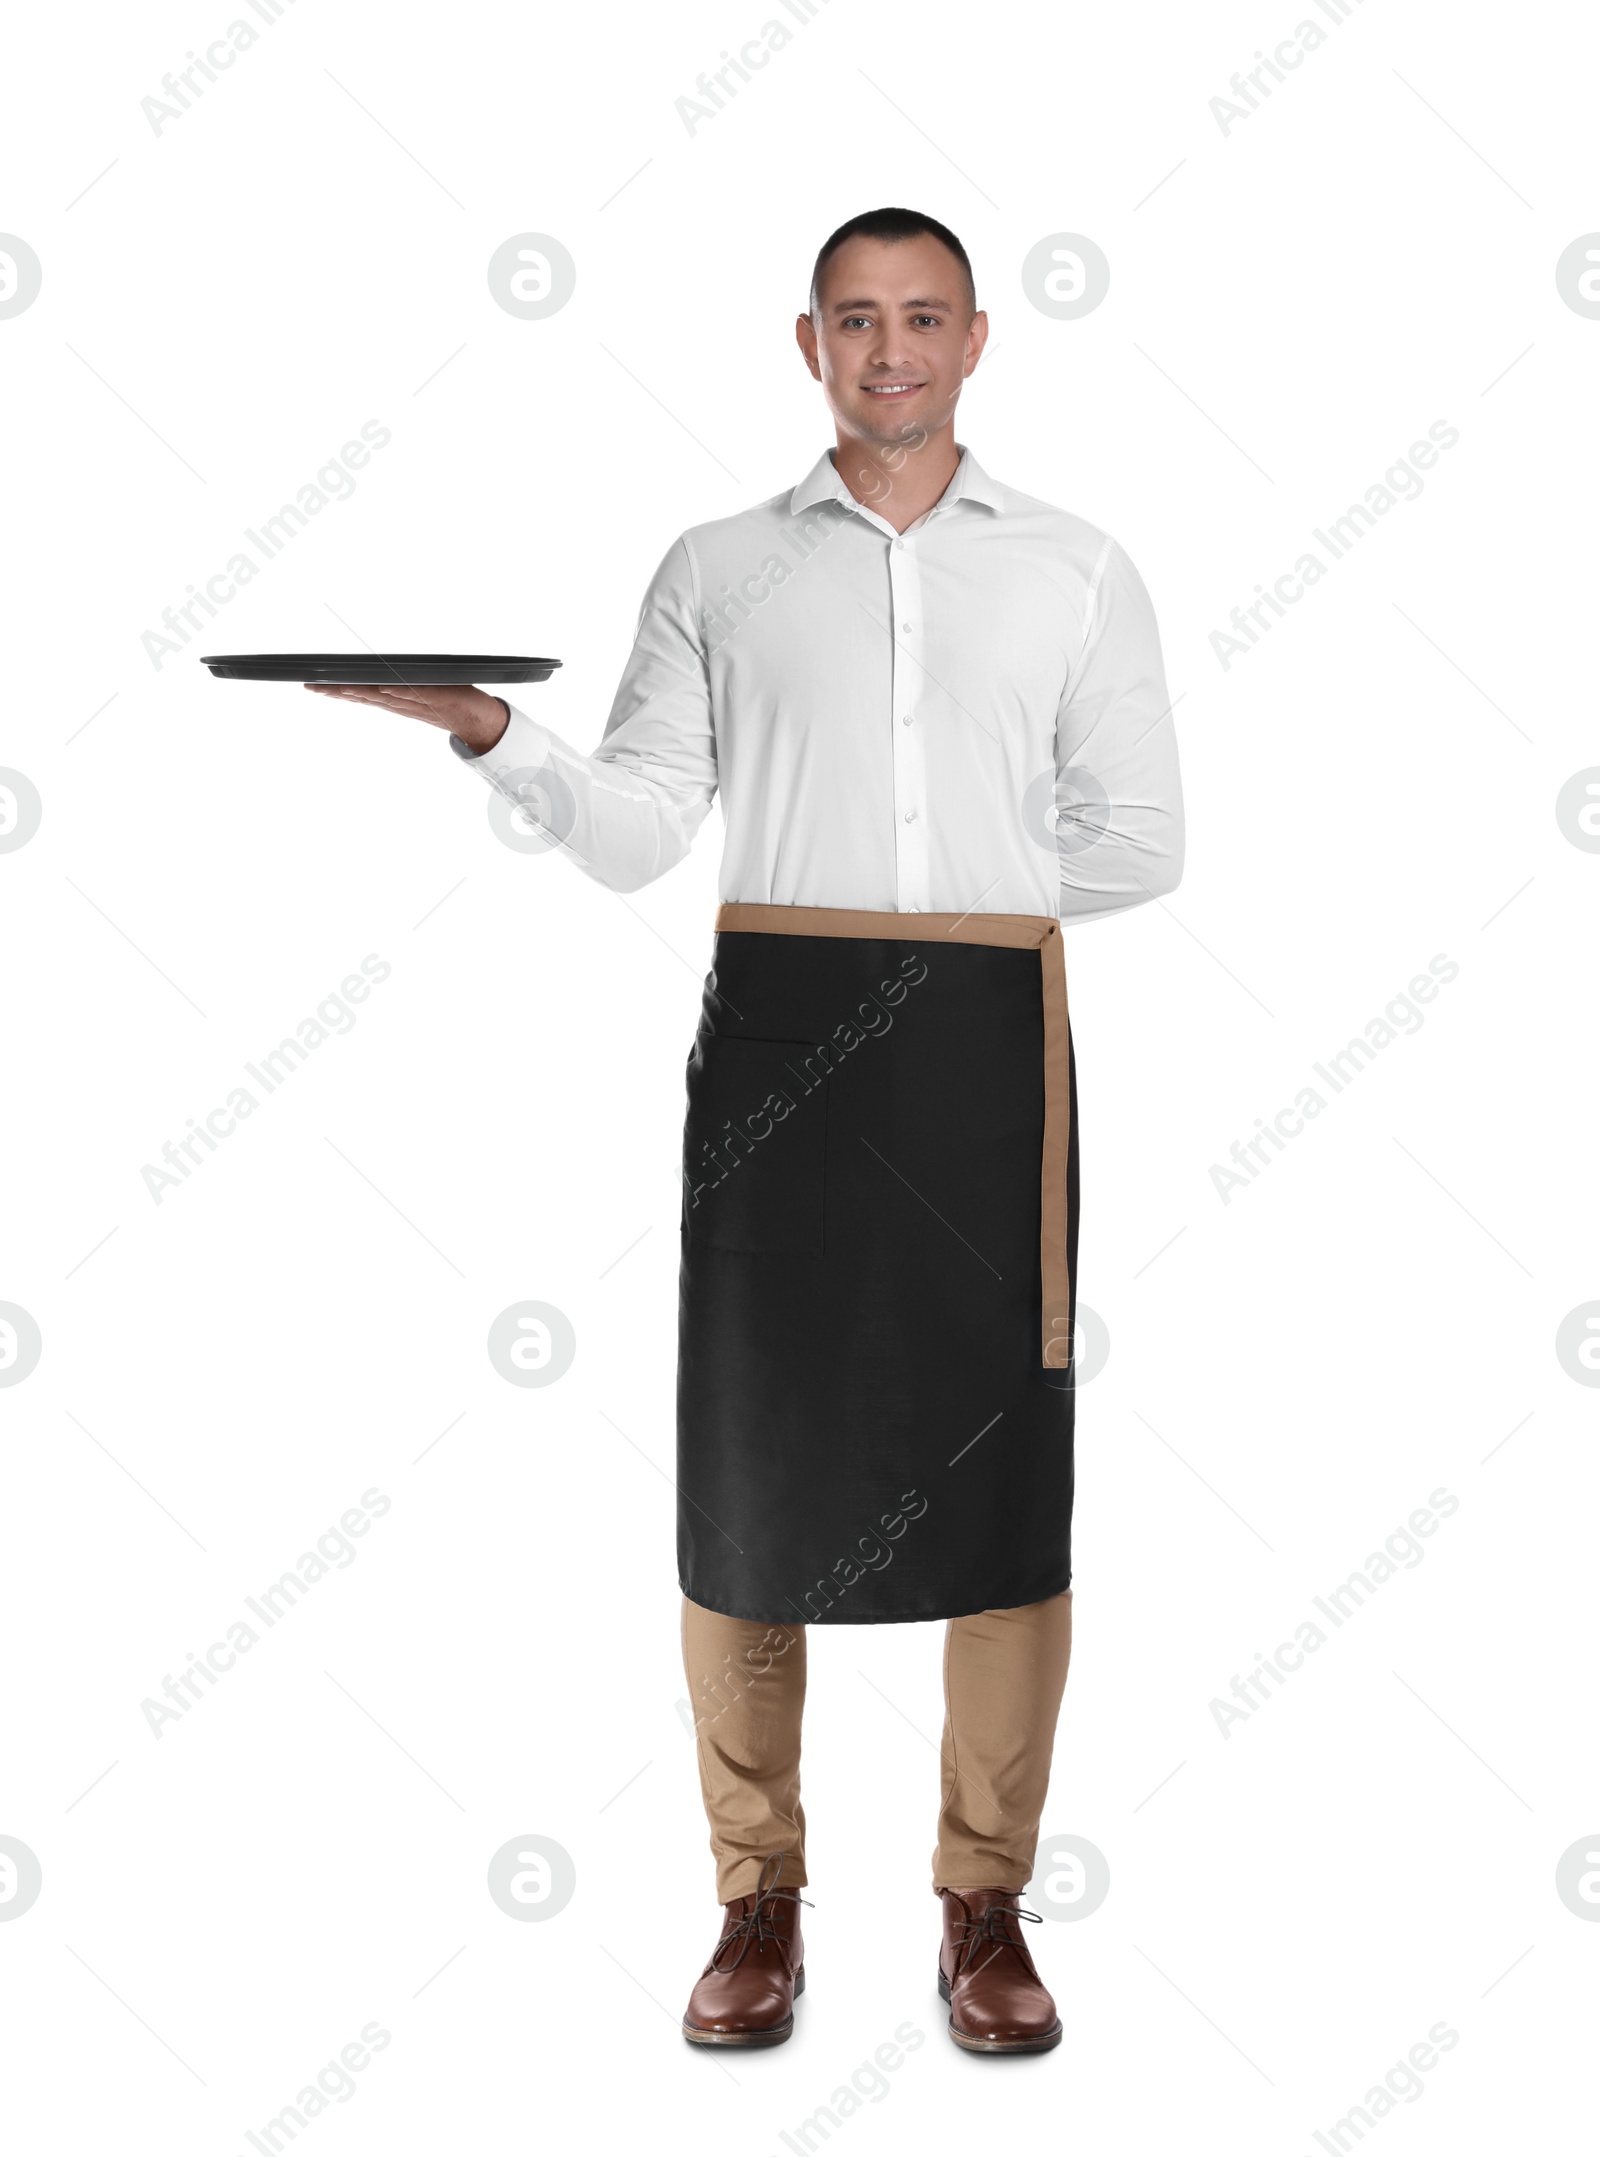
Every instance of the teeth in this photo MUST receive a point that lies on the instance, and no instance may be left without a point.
(890, 389)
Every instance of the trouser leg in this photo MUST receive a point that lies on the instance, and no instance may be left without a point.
(747, 1688)
(1004, 1673)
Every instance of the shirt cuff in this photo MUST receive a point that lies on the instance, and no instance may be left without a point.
(523, 749)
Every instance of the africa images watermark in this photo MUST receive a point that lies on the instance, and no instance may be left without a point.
(852, 1568)
(334, 483)
(818, 1065)
(182, 1155)
(1402, 482)
(335, 2084)
(753, 55)
(869, 2084)
(737, 1679)
(1400, 1016)
(804, 538)
(1402, 2083)
(180, 85)
(335, 1548)
(1401, 1548)
(1288, 54)
(728, 1687)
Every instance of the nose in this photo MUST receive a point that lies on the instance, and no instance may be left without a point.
(890, 351)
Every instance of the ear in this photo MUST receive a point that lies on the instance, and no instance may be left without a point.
(977, 338)
(805, 336)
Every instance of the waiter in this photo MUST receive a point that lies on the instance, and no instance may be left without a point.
(935, 711)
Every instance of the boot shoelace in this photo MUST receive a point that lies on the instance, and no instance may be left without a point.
(756, 1928)
(992, 1930)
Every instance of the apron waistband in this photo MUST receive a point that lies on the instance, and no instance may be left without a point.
(1025, 932)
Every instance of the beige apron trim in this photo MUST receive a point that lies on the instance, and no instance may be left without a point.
(1017, 932)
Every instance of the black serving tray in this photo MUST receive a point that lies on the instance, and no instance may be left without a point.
(378, 669)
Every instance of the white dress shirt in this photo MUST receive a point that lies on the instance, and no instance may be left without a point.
(968, 715)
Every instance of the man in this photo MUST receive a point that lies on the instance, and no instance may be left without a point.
(936, 714)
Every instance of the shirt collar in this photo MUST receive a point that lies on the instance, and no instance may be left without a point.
(971, 483)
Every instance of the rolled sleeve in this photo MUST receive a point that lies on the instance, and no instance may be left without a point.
(1119, 801)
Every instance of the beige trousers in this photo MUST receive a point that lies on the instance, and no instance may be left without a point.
(1004, 1673)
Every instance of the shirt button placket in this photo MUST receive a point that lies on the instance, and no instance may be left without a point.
(908, 693)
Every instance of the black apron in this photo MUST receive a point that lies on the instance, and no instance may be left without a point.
(879, 1246)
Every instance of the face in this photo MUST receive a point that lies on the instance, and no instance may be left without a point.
(892, 340)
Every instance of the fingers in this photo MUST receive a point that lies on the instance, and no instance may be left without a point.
(399, 700)
(448, 706)
(338, 689)
(362, 689)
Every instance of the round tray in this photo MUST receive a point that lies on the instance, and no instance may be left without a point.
(378, 669)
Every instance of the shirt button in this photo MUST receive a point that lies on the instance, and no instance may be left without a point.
(905, 625)
(906, 719)
(899, 542)
(911, 816)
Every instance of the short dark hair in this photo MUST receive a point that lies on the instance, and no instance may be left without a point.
(891, 224)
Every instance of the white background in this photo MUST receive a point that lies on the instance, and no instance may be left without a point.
(1291, 305)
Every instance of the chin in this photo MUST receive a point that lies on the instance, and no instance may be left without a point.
(886, 423)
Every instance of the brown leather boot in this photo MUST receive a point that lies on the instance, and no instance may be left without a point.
(997, 2000)
(746, 1992)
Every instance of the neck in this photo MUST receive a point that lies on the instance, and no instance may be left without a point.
(899, 480)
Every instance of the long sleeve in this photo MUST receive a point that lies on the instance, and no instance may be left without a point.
(1119, 803)
(628, 812)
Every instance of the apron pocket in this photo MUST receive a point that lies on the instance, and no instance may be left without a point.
(754, 1141)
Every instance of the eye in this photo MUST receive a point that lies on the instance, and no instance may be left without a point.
(932, 320)
(850, 321)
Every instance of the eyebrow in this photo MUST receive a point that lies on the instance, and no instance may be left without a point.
(846, 307)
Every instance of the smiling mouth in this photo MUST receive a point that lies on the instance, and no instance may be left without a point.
(891, 389)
